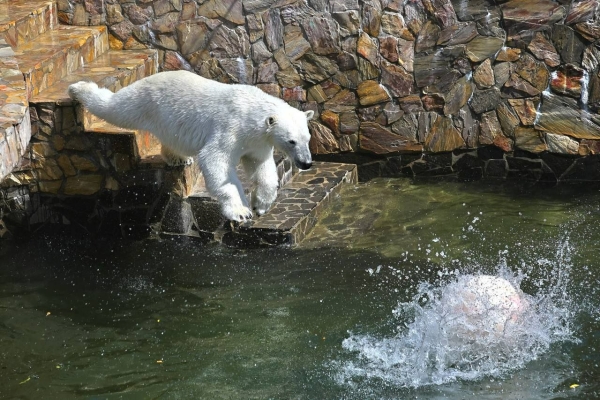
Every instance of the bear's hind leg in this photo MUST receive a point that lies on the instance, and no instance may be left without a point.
(173, 159)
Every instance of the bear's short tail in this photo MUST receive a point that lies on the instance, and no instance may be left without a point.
(96, 100)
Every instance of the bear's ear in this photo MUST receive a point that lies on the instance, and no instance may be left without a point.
(271, 121)
(309, 114)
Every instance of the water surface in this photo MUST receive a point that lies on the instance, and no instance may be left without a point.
(99, 319)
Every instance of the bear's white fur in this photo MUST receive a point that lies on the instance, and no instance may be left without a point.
(219, 124)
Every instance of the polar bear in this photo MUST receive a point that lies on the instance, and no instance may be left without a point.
(217, 123)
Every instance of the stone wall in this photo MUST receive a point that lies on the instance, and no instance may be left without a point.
(388, 77)
(92, 181)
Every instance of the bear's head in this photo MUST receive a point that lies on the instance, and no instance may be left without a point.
(289, 133)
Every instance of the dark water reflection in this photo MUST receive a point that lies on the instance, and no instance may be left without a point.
(166, 319)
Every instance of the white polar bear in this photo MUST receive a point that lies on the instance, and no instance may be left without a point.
(219, 124)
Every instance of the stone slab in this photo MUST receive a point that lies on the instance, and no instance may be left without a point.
(56, 54)
(296, 209)
(23, 21)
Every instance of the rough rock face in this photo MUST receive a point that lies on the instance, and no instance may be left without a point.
(390, 76)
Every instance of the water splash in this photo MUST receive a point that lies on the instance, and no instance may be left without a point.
(241, 70)
(439, 343)
(585, 82)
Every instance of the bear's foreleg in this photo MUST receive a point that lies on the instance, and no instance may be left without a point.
(263, 173)
(223, 183)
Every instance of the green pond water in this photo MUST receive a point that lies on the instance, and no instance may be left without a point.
(349, 314)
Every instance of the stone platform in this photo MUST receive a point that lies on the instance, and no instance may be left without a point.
(301, 199)
(296, 209)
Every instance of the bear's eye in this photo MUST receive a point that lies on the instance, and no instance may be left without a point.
(292, 142)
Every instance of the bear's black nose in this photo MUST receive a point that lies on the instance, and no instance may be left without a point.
(304, 165)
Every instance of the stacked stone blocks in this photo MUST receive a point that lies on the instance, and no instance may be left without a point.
(389, 77)
(66, 168)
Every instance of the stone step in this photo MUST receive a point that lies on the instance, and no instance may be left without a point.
(23, 21)
(32, 67)
(141, 149)
(112, 69)
(56, 54)
(296, 209)
(59, 132)
(145, 146)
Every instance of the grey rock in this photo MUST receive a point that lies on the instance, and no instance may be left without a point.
(346, 61)
(458, 96)
(273, 29)
(562, 116)
(192, 36)
(561, 144)
(288, 78)
(366, 70)
(414, 15)
(349, 123)
(371, 17)
(485, 100)
(316, 68)
(529, 139)
(406, 54)
(178, 216)
(508, 119)
(482, 47)
(267, 72)
(393, 24)
(255, 27)
(460, 33)
(472, 9)
(399, 82)
(392, 113)
(343, 5)
(294, 43)
(484, 75)
(442, 11)
(468, 126)
(430, 68)
(349, 22)
(229, 43)
(260, 53)
(238, 70)
(388, 48)
(568, 44)
(407, 127)
(322, 34)
(428, 37)
(489, 128)
(255, 6)
(502, 72)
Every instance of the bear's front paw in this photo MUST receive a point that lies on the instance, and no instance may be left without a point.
(238, 213)
(262, 199)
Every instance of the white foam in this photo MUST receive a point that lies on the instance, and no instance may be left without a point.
(471, 327)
